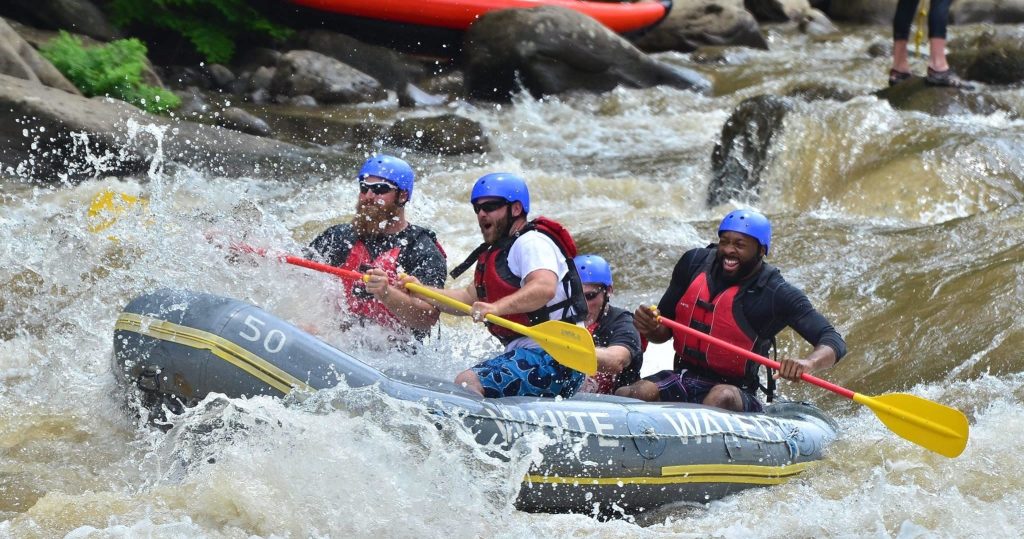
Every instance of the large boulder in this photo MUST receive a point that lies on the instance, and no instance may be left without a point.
(863, 11)
(741, 154)
(448, 134)
(994, 57)
(51, 135)
(695, 23)
(914, 94)
(19, 59)
(777, 10)
(550, 50)
(302, 72)
(392, 70)
(990, 11)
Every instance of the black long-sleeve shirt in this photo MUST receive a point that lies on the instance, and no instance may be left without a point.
(769, 303)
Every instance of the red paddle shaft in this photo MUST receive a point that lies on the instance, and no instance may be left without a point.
(672, 324)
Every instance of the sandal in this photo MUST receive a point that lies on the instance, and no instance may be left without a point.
(896, 76)
(947, 79)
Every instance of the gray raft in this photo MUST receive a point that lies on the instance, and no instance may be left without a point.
(610, 454)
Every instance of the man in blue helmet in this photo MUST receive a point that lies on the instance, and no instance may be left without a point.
(730, 293)
(524, 273)
(617, 342)
(381, 243)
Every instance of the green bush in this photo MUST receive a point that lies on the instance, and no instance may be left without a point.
(212, 26)
(113, 69)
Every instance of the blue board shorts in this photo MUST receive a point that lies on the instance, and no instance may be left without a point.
(526, 372)
(690, 387)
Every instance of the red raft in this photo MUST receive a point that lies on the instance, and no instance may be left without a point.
(459, 14)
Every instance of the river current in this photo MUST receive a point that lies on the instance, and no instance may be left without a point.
(906, 230)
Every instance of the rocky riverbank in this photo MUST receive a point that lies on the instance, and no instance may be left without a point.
(287, 109)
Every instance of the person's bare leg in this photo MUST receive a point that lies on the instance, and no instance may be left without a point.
(725, 396)
(900, 56)
(469, 380)
(643, 390)
(937, 51)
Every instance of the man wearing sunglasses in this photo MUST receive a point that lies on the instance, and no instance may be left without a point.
(730, 293)
(524, 273)
(618, 344)
(381, 243)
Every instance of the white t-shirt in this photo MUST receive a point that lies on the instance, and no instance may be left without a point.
(530, 252)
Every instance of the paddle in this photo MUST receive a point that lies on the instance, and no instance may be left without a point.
(931, 425)
(568, 344)
(106, 207)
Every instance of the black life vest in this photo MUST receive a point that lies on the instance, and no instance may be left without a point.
(494, 280)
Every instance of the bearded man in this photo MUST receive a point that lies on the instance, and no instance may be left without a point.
(730, 293)
(380, 242)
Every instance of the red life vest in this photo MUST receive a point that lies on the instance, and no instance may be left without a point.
(360, 302)
(721, 317)
(494, 280)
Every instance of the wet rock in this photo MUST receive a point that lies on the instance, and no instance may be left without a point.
(994, 57)
(391, 69)
(50, 135)
(815, 23)
(240, 120)
(693, 24)
(741, 154)
(814, 91)
(19, 59)
(863, 11)
(449, 134)
(914, 94)
(326, 79)
(77, 16)
(777, 10)
(221, 76)
(261, 79)
(880, 49)
(990, 11)
(550, 50)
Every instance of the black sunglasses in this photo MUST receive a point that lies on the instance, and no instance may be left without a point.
(593, 294)
(488, 207)
(379, 188)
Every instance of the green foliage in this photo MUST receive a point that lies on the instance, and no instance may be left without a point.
(213, 26)
(113, 69)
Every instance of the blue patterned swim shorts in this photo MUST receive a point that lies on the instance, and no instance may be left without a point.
(527, 372)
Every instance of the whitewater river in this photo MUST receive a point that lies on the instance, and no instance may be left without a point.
(906, 230)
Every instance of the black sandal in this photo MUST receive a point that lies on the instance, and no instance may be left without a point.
(946, 79)
(896, 77)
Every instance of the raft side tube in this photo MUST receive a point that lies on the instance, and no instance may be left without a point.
(620, 454)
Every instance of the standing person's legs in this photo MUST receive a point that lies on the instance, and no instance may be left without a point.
(939, 73)
(901, 22)
(938, 16)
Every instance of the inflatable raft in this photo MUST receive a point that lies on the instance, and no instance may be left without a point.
(609, 455)
(459, 14)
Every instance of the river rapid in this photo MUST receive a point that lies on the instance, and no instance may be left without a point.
(906, 230)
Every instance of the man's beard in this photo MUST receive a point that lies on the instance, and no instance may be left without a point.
(371, 218)
(742, 272)
(502, 227)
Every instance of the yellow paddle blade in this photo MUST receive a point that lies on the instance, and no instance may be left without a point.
(106, 207)
(570, 345)
(929, 424)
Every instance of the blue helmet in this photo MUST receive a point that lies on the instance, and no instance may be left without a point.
(502, 185)
(748, 222)
(593, 269)
(391, 169)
